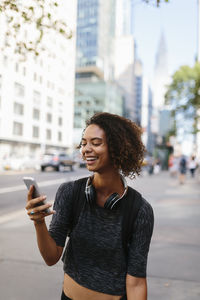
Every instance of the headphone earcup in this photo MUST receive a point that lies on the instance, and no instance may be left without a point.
(90, 194)
(111, 200)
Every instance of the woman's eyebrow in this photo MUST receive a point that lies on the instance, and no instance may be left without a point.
(94, 138)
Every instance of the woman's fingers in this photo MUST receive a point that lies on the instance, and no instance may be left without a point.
(35, 202)
(38, 209)
(30, 192)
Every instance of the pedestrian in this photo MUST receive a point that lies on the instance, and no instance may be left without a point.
(173, 165)
(182, 169)
(192, 165)
(97, 266)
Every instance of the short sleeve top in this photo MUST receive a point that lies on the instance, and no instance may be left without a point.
(94, 255)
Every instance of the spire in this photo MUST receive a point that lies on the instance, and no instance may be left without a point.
(161, 64)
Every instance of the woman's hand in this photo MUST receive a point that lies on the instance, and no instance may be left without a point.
(37, 213)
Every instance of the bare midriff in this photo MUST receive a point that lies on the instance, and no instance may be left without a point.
(77, 292)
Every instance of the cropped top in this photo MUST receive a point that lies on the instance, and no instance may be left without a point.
(94, 255)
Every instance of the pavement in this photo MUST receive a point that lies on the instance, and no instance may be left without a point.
(174, 257)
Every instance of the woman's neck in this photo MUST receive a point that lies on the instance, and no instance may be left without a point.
(108, 183)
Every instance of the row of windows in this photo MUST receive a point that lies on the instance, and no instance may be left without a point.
(20, 89)
(18, 130)
(88, 102)
(19, 110)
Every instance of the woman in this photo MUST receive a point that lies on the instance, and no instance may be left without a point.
(96, 266)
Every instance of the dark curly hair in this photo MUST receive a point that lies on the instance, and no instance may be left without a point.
(123, 137)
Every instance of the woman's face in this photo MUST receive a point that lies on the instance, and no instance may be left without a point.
(95, 149)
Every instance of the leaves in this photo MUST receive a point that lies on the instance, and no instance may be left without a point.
(183, 94)
(38, 16)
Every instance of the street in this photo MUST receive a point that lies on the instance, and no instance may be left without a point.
(174, 257)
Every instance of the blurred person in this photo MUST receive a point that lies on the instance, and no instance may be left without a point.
(96, 267)
(173, 165)
(182, 169)
(157, 166)
(192, 165)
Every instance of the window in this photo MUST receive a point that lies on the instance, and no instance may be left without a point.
(17, 128)
(61, 91)
(48, 134)
(24, 71)
(59, 136)
(35, 131)
(19, 89)
(16, 67)
(36, 97)
(49, 118)
(18, 108)
(36, 114)
(60, 121)
(49, 101)
(0, 80)
(5, 60)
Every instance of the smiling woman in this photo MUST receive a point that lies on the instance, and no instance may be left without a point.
(109, 224)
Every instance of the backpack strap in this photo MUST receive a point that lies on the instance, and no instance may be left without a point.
(130, 209)
(78, 203)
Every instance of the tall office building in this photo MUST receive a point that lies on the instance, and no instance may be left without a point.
(161, 75)
(96, 87)
(161, 79)
(37, 96)
(95, 33)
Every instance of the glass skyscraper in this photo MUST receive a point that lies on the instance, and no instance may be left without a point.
(87, 32)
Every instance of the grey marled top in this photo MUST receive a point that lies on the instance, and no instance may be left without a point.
(94, 255)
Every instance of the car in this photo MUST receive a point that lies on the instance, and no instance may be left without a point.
(57, 161)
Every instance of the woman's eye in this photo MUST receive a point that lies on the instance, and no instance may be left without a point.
(96, 144)
(83, 145)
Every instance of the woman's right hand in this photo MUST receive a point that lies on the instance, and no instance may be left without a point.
(37, 213)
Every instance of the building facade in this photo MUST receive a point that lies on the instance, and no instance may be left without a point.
(37, 95)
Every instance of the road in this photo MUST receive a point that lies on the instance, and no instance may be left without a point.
(174, 257)
(13, 191)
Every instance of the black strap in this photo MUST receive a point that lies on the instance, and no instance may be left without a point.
(130, 208)
(78, 202)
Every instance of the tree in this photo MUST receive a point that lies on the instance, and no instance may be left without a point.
(183, 94)
(26, 23)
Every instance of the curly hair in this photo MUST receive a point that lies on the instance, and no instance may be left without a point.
(123, 137)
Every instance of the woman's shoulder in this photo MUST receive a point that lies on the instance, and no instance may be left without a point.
(65, 187)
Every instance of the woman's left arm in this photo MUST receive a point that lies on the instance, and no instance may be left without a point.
(136, 288)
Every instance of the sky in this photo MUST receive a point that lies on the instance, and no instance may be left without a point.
(178, 21)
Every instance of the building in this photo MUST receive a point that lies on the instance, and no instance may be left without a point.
(37, 96)
(160, 82)
(96, 87)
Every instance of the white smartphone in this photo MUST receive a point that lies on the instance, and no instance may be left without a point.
(36, 192)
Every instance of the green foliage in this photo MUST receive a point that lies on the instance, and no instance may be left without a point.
(183, 93)
(38, 16)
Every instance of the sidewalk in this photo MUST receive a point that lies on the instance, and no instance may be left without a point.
(173, 268)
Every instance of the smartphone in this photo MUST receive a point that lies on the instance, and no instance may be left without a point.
(36, 192)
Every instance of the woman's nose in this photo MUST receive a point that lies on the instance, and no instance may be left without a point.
(87, 148)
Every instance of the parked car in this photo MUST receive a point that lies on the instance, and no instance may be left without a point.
(58, 161)
(79, 160)
(20, 163)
